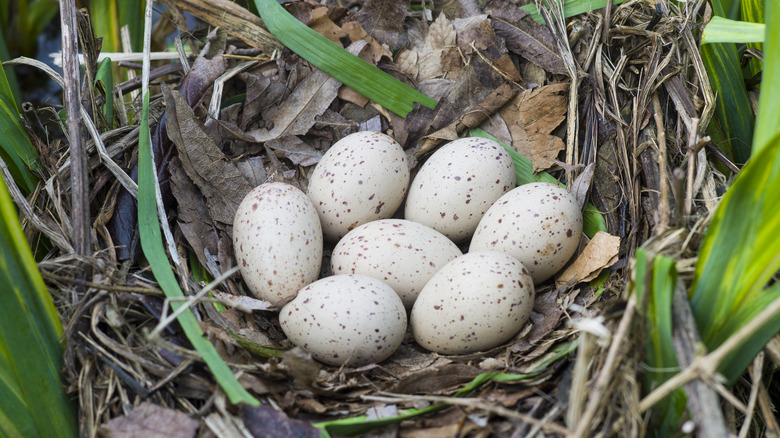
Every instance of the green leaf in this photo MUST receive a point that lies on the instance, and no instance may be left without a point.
(733, 108)
(15, 147)
(723, 30)
(338, 63)
(592, 219)
(570, 8)
(769, 99)
(104, 81)
(655, 288)
(33, 401)
(740, 253)
(739, 256)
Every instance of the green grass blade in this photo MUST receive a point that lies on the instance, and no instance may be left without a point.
(105, 22)
(153, 249)
(723, 30)
(337, 62)
(661, 360)
(769, 99)
(32, 398)
(41, 14)
(131, 14)
(9, 86)
(16, 149)
(733, 108)
(570, 8)
(592, 219)
(104, 81)
(753, 12)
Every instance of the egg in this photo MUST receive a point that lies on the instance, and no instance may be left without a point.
(346, 319)
(458, 183)
(539, 224)
(361, 178)
(401, 253)
(474, 303)
(277, 240)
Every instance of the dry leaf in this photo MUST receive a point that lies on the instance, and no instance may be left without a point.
(263, 421)
(313, 95)
(384, 20)
(428, 58)
(601, 252)
(527, 38)
(531, 116)
(294, 149)
(151, 420)
(218, 179)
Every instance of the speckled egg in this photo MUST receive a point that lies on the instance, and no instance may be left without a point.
(277, 241)
(539, 224)
(401, 253)
(346, 319)
(474, 303)
(458, 183)
(361, 178)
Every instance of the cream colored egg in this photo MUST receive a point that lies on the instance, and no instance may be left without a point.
(457, 185)
(346, 319)
(539, 224)
(474, 303)
(401, 253)
(277, 241)
(361, 178)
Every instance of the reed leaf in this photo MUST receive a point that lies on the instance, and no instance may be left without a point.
(33, 401)
(654, 283)
(740, 252)
(723, 30)
(338, 63)
(768, 121)
(570, 8)
(16, 150)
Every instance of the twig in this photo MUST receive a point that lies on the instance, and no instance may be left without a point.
(756, 373)
(26, 209)
(72, 99)
(607, 371)
(702, 400)
(579, 381)
(189, 301)
(475, 403)
(662, 160)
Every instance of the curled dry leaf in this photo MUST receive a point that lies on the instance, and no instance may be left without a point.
(601, 252)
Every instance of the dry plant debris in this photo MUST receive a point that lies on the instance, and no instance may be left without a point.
(627, 126)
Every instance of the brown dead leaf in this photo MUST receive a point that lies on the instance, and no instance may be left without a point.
(384, 20)
(435, 380)
(435, 55)
(310, 98)
(294, 149)
(193, 215)
(263, 421)
(218, 179)
(601, 252)
(531, 116)
(151, 420)
(526, 37)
